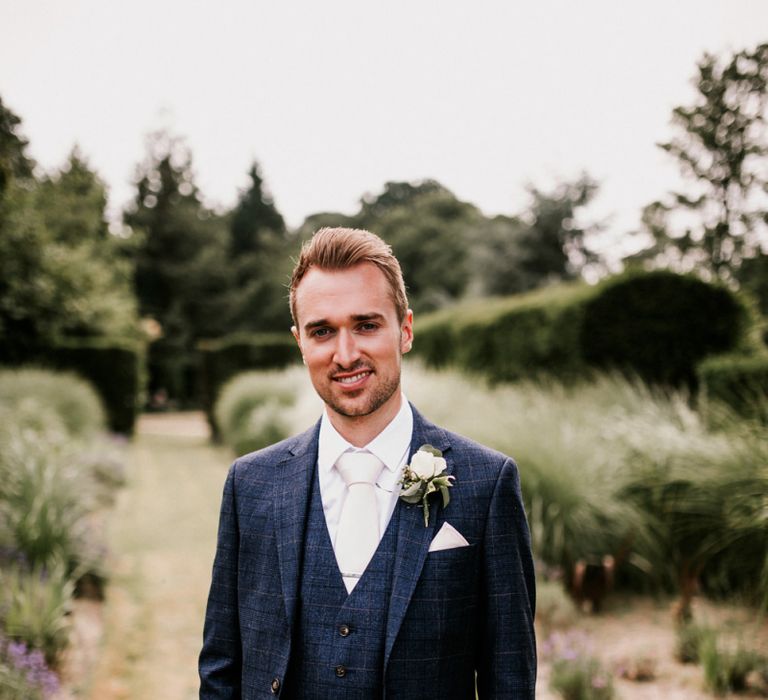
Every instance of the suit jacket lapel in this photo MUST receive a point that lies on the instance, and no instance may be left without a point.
(413, 537)
(294, 478)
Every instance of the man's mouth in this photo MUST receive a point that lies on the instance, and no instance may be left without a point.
(352, 378)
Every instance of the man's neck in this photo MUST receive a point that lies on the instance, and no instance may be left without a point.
(361, 430)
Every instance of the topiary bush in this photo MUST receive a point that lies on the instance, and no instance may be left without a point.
(42, 396)
(660, 325)
(251, 410)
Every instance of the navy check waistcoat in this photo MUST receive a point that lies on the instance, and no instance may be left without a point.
(338, 643)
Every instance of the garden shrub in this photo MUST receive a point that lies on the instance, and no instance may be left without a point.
(251, 409)
(660, 325)
(576, 674)
(34, 606)
(727, 669)
(739, 381)
(44, 498)
(74, 402)
(222, 359)
(689, 641)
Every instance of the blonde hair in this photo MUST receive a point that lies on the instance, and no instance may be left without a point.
(342, 248)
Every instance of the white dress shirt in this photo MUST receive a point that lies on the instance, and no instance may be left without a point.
(391, 446)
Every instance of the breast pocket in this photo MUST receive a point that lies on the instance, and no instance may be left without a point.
(450, 572)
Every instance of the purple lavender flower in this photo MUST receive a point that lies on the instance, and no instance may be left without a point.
(30, 665)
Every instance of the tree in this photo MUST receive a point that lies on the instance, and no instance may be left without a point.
(721, 146)
(14, 163)
(395, 195)
(255, 220)
(72, 202)
(496, 257)
(182, 275)
(260, 260)
(59, 279)
(181, 262)
(554, 246)
(430, 231)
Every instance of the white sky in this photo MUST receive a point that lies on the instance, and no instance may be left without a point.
(336, 97)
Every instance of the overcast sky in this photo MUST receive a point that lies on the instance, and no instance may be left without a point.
(336, 97)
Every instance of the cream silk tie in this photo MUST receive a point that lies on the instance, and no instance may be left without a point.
(358, 535)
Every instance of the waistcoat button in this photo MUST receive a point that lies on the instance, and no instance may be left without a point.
(341, 671)
(344, 630)
(275, 686)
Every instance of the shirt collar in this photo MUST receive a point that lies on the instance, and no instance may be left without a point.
(390, 445)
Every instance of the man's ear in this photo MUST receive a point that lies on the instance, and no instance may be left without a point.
(406, 332)
(295, 333)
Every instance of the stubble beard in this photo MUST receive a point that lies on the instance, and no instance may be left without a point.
(378, 397)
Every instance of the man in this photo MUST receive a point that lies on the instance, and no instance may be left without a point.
(327, 584)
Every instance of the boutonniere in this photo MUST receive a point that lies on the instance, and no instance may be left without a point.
(423, 476)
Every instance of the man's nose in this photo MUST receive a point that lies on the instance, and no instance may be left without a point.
(347, 352)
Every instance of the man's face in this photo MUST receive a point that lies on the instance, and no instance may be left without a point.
(351, 339)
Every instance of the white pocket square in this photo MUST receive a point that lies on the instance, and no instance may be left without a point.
(448, 538)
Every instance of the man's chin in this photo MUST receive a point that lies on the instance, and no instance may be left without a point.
(352, 408)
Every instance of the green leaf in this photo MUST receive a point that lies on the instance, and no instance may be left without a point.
(446, 496)
(425, 506)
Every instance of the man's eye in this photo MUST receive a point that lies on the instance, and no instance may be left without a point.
(320, 332)
(368, 326)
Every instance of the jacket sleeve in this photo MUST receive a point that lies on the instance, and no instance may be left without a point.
(220, 658)
(506, 654)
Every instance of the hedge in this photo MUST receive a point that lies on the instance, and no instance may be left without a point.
(656, 325)
(115, 369)
(660, 325)
(508, 339)
(739, 381)
(223, 358)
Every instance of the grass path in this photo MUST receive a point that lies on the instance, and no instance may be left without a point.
(162, 537)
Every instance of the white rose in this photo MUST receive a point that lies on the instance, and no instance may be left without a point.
(425, 465)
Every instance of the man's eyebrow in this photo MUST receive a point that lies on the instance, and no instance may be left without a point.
(368, 317)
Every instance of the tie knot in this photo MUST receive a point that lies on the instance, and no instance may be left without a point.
(359, 468)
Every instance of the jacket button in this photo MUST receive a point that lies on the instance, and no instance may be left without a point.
(275, 686)
(344, 630)
(341, 671)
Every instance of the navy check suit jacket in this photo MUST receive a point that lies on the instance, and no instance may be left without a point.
(451, 614)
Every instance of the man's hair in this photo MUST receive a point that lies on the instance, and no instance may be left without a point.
(342, 248)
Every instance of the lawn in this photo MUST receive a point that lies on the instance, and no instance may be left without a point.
(162, 536)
